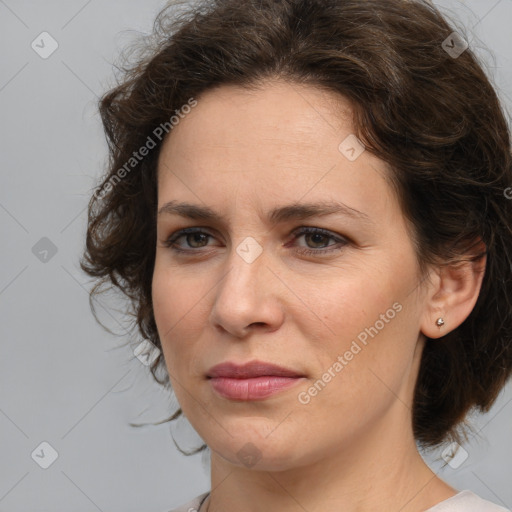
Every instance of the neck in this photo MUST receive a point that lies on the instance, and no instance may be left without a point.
(381, 470)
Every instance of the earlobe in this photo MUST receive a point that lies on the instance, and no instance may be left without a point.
(452, 296)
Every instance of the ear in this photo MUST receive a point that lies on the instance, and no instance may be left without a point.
(453, 293)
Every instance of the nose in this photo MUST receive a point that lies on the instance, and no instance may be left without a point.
(248, 297)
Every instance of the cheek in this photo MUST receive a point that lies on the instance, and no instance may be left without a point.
(177, 307)
(338, 309)
(362, 337)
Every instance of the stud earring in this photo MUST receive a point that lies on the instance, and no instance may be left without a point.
(439, 322)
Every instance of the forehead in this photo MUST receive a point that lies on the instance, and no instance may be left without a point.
(278, 142)
(276, 111)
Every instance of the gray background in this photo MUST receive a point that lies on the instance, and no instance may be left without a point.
(63, 379)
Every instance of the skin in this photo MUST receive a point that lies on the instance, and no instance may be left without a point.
(242, 153)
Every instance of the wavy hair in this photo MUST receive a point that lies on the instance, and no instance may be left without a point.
(431, 115)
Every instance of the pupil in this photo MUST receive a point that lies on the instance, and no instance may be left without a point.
(196, 237)
(318, 239)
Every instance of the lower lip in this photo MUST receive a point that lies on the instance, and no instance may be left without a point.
(252, 389)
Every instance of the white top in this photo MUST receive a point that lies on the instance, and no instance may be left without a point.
(463, 501)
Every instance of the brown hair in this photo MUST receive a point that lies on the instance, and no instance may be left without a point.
(433, 117)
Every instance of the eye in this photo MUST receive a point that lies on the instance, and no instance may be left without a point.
(319, 238)
(195, 237)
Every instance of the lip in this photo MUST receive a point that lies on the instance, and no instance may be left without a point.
(251, 370)
(255, 380)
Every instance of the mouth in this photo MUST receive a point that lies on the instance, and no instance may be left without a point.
(255, 380)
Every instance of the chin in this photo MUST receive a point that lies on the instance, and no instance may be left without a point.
(257, 450)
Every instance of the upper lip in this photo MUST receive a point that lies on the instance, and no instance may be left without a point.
(250, 370)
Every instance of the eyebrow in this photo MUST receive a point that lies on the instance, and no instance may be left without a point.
(294, 211)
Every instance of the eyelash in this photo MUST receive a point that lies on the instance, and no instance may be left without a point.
(171, 240)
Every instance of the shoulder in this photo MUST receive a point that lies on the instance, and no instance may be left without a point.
(191, 506)
(467, 501)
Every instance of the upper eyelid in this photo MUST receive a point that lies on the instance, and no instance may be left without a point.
(208, 230)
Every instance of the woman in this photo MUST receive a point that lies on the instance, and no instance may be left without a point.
(307, 205)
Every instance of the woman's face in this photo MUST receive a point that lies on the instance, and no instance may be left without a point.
(334, 297)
